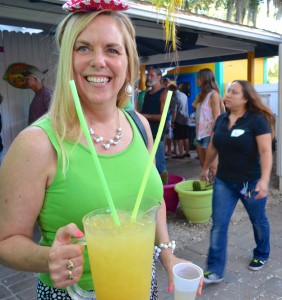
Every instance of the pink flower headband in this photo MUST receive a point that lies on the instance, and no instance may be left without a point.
(95, 5)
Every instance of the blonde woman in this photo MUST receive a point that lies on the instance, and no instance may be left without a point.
(48, 174)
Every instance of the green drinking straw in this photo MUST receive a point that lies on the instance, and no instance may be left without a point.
(151, 158)
(93, 152)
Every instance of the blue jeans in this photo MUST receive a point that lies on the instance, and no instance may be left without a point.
(204, 142)
(160, 158)
(224, 200)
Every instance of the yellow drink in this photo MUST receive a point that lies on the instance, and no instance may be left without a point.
(121, 258)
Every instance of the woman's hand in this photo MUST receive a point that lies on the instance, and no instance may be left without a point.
(261, 189)
(65, 258)
(169, 261)
(204, 175)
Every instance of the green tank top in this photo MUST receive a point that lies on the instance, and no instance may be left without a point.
(72, 196)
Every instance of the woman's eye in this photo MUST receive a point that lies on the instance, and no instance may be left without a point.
(112, 51)
(82, 49)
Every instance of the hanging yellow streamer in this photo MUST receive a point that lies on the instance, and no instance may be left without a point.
(171, 6)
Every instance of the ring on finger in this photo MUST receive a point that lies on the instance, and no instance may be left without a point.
(70, 264)
(70, 275)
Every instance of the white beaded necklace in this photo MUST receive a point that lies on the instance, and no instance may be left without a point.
(114, 141)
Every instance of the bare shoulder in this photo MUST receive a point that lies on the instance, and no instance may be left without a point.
(215, 95)
(142, 118)
(30, 152)
(33, 141)
(144, 121)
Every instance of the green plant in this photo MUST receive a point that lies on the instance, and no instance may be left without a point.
(197, 185)
(201, 186)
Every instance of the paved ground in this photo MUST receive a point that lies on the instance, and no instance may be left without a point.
(239, 282)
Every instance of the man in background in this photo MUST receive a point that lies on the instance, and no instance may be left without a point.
(152, 110)
(41, 100)
(180, 121)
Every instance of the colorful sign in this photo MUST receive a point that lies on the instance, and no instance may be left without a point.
(14, 75)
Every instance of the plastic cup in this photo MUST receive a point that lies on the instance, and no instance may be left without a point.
(120, 257)
(187, 277)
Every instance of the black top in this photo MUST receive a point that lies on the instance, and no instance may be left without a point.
(152, 106)
(237, 148)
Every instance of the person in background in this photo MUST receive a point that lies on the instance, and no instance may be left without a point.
(152, 110)
(180, 121)
(140, 98)
(166, 82)
(168, 141)
(208, 108)
(42, 97)
(242, 139)
(48, 173)
(1, 144)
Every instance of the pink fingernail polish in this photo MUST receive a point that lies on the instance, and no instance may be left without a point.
(79, 234)
(170, 288)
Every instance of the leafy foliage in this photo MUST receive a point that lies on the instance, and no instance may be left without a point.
(238, 11)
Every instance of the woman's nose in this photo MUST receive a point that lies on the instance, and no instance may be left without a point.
(98, 60)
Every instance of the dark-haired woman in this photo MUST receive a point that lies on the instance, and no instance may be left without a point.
(242, 139)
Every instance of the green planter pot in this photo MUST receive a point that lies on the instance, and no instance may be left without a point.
(196, 205)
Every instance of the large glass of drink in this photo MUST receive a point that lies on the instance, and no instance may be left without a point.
(120, 257)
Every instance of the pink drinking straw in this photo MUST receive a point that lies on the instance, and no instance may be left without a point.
(152, 156)
(93, 152)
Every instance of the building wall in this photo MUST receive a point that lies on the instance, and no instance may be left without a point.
(37, 50)
(238, 69)
(192, 69)
(231, 70)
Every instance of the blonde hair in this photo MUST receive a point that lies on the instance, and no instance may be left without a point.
(63, 116)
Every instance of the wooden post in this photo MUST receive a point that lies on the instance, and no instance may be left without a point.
(251, 67)
(142, 85)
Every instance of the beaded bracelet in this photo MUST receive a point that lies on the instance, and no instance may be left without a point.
(161, 246)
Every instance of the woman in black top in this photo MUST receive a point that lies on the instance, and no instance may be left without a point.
(242, 140)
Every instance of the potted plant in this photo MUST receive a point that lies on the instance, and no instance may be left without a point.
(170, 195)
(195, 199)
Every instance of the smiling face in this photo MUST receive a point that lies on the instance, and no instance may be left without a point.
(100, 63)
(234, 99)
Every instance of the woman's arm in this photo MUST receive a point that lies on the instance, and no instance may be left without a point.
(27, 171)
(168, 259)
(211, 155)
(24, 176)
(215, 103)
(265, 152)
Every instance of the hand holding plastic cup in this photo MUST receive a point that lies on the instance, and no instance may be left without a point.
(187, 277)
